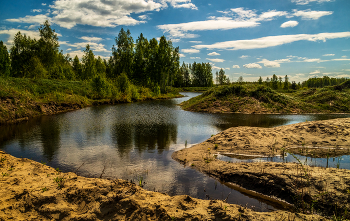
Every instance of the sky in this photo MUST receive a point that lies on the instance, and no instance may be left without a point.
(248, 38)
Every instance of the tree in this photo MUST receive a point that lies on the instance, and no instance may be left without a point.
(240, 79)
(274, 81)
(124, 53)
(5, 64)
(77, 67)
(89, 64)
(48, 46)
(100, 67)
(141, 61)
(260, 80)
(294, 85)
(222, 77)
(286, 83)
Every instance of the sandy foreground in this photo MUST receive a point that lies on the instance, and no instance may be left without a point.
(33, 191)
(318, 190)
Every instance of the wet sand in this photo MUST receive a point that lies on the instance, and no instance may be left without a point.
(33, 191)
(310, 189)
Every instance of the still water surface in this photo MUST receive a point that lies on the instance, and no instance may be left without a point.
(135, 141)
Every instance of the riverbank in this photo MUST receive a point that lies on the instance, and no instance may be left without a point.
(318, 190)
(22, 98)
(257, 99)
(34, 191)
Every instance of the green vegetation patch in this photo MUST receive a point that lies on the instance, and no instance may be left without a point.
(255, 98)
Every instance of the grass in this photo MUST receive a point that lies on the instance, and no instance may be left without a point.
(250, 98)
(60, 182)
(23, 97)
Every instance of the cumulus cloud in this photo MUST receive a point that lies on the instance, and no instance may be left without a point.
(91, 38)
(289, 24)
(232, 19)
(272, 41)
(252, 65)
(216, 60)
(102, 13)
(36, 19)
(310, 15)
(12, 32)
(328, 55)
(182, 55)
(305, 2)
(235, 66)
(36, 10)
(270, 64)
(213, 54)
(244, 56)
(315, 72)
(190, 51)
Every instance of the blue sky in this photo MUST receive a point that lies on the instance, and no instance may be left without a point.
(249, 38)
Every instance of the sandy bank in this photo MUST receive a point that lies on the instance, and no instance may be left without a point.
(310, 189)
(33, 191)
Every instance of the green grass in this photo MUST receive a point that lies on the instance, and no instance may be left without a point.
(23, 97)
(250, 98)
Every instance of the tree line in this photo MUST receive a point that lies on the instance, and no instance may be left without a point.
(153, 64)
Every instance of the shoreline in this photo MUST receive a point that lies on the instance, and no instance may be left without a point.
(310, 189)
(34, 191)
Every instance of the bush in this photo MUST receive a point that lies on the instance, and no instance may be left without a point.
(100, 86)
(123, 82)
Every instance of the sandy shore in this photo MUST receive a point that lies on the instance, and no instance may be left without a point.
(33, 191)
(309, 189)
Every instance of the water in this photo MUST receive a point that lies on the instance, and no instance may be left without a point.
(135, 142)
(341, 162)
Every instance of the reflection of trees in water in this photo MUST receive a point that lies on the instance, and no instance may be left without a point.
(50, 137)
(143, 137)
(252, 120)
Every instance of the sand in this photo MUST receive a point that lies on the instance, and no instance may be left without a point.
(33, 191)
(318, 190)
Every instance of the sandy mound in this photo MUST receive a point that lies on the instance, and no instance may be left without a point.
(310, 189)
(33, 191)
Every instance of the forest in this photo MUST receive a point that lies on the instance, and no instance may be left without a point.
(151, 64)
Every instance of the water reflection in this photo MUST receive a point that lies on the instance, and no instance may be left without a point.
(133, 141)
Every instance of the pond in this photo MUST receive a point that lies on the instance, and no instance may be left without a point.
(135, 142)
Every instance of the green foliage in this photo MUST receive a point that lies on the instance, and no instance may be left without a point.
(123, 83)
(100, 86)
(4, 61)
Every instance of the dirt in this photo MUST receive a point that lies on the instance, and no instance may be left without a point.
(318, 190)
(33, 191)
(14, 110)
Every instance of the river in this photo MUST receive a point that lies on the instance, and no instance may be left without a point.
(135, 141)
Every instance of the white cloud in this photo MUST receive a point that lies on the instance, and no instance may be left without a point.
(175, 40)
(36, 10)
(96, 47)
(341, 59)
(182, 4)
(235, 66)
(181, 30)
(86, 38)
(196, 42)
(36, 19)
(328, 55)
(272, 41)
(182, 55)
(43, 4)
(270, 64)
(267, 16)
(315, 72)
(143, 17)
(311, 15)
(12, 32)
(216, 60)
(289, 24)
(252, 65)
(244, 56)
(190, 51)
(195, 58)
(305, 2)
(344, 56)
(213, 54)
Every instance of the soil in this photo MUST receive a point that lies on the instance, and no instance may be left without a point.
(33, 191)
(319, 190)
